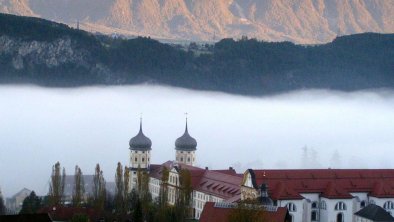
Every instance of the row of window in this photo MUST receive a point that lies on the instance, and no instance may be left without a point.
(142, 159)
(388, 205)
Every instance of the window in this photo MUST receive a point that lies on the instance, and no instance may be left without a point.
(188, 159)
(323, 205)
(143, 159)
(314, 216)
(340, 206)
(291, 207)
(181, 159)
(388, 205)
(363, 204)
(136, 159)
(314, 205)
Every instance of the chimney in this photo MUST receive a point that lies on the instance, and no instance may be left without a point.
(206, 168)
(231, 168)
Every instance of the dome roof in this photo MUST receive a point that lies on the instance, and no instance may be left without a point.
(186, 142)
(140, 141)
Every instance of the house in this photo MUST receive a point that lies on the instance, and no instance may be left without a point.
(14, 204)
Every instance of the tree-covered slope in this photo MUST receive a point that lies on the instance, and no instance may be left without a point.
(37, 51)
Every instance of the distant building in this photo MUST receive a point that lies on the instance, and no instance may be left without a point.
(14, 204)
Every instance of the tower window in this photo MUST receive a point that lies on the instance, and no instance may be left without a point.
(188, 159)
(143, 151)
(181, 159)
(143, 159)
(188, 152)
(136, 159)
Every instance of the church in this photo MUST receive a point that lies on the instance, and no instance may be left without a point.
(324, 195)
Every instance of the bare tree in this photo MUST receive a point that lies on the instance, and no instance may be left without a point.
(126, 188)
(79, 187)
(119, 191)
(56, 186)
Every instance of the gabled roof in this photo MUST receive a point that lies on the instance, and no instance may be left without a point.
(375, 213)
(330, 183)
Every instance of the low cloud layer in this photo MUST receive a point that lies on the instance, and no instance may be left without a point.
(85, 126)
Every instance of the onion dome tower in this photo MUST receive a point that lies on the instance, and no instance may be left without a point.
(186, 147)
(140, 147)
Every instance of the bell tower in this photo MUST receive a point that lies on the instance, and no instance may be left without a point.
(185, 148)
(140, 147)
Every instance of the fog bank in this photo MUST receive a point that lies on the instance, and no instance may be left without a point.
(85, 126)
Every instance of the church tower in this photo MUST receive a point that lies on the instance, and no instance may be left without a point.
(140, 147)
(185, 147)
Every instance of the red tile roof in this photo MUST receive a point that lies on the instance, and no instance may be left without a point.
(330, 183)
(218, 214)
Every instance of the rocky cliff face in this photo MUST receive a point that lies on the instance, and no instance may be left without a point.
(302, 21)
(49, 54)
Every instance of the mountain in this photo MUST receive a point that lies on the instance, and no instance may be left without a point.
(33, 50)
(299, 21)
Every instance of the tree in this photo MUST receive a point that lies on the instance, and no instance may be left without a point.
(79, 187)
(183, 199)
(2, 206)
(56, 186)
(31, 204)
(163, 193)
(80, 218)
(247, 212)
(99, 191)
(126, 189)
(119, 189)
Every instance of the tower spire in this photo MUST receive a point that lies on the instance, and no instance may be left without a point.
(186, 130)
(140, 122)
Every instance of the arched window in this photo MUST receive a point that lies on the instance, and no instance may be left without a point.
(388, 205)
(323, 205)
(363, 204)
(314, 215)
(340, 206)
(314, 205)
(340, 217)
(291, 207)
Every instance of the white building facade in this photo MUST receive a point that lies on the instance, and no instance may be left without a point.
(323, 195)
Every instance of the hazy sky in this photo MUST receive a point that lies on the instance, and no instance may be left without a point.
(85, 126)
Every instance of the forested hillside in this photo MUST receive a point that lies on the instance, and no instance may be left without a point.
(37, 51)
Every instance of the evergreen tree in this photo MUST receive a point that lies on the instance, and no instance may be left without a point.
(31, 204)
(56, 186)
(79, 187)
(99, 191)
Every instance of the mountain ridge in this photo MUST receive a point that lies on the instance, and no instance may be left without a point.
(299, 21)
(33, 50)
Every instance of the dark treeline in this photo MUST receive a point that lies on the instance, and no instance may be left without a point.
(245, 66)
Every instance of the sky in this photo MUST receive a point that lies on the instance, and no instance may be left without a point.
(85, 126)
